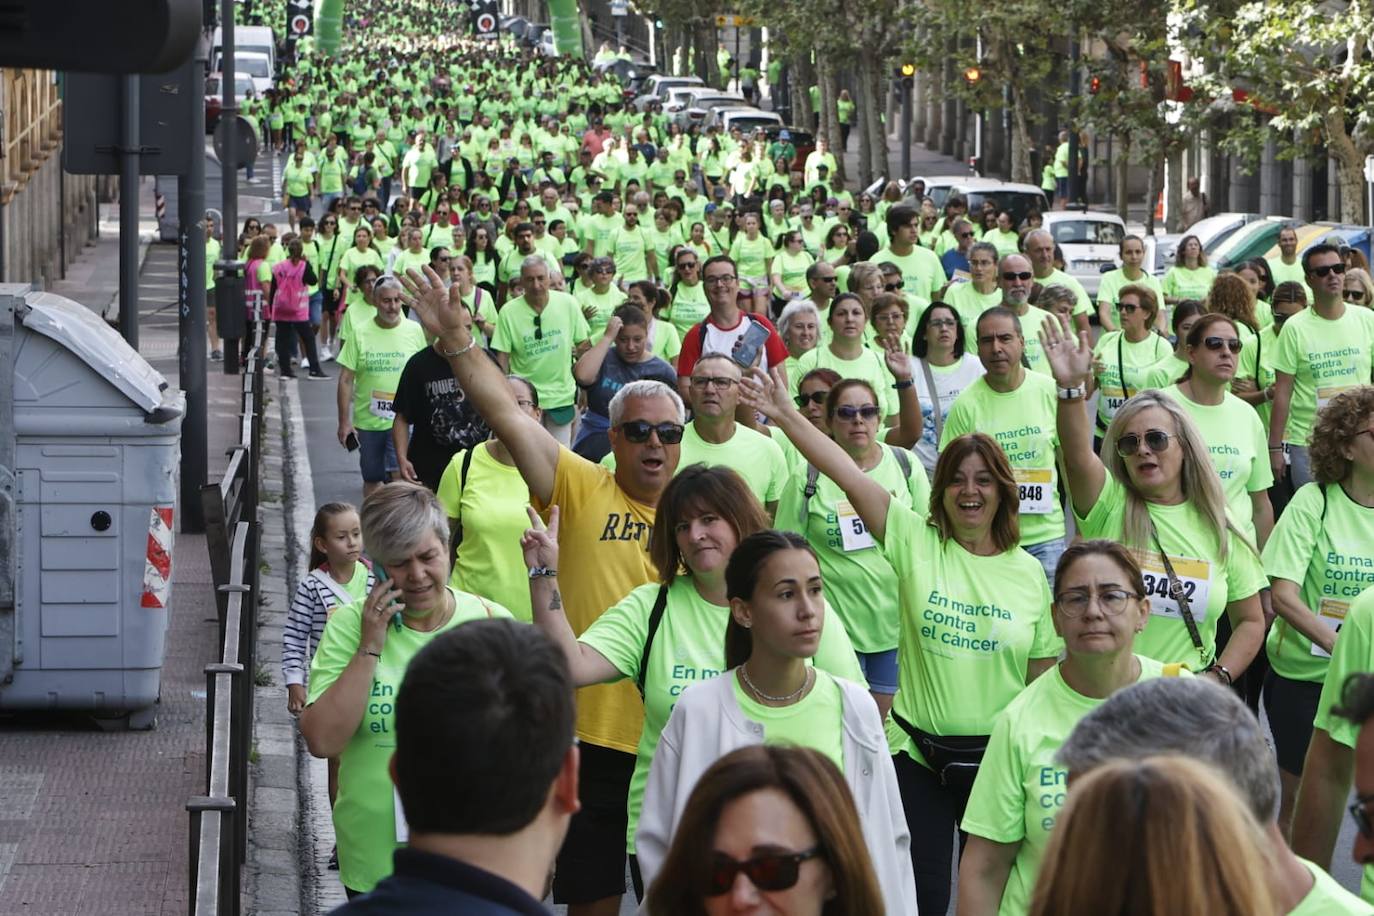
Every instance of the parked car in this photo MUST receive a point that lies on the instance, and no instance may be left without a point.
(1250, 241)
(1213, 230)
(747, 120)
(546, 47)
(697, 103)
(1018, 199)
(214, 96)
(257, 66)
(1159, 253)
(655, 89)
(534, 31)
(515, 25)
(1090, 241)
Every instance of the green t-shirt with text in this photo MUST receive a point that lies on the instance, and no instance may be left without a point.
(377, 355)
(1325, 357)
(541, 345)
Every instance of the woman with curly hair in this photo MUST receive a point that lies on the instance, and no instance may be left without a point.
(1232, 296)
(1317, 560)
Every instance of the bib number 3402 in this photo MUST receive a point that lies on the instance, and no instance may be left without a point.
(1194, 579)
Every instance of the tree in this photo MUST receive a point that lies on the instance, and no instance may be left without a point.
(1306, 67)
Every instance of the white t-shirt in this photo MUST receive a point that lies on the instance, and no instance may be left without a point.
(949, 381)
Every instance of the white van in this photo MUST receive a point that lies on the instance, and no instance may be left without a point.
(256, 38)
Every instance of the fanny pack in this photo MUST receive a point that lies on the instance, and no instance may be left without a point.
(954, 758)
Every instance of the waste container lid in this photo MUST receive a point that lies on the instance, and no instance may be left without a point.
(95, 343)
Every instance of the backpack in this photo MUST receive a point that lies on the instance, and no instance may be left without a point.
(290, 297)
(457, 538)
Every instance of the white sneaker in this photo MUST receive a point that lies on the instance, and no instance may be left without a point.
(326, 354)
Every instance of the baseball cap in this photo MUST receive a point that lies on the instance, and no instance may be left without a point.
(784, 135)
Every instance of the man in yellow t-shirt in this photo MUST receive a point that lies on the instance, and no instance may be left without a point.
(605, 519)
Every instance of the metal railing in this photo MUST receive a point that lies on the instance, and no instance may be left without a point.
(219, 819)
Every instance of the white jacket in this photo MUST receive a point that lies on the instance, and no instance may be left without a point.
(707, 724)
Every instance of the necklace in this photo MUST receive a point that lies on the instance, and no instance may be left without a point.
(744, 675)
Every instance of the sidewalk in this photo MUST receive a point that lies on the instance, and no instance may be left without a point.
(94, 821)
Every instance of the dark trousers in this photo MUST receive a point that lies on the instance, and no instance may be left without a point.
(933, 813)
(287, 333)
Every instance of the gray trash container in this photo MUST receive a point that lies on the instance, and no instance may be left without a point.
(96, 451)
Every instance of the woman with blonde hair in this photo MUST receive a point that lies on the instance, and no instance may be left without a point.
(1155, 490)
(1359, 289)
(1155, 837)
(770, 827)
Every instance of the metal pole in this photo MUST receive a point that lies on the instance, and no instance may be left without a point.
(906, 127)
(191, 269)
(229, 184)
(128, 213)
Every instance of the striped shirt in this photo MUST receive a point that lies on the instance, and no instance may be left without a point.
(316, 598)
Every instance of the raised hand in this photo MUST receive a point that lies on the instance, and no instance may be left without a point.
(1070, 363)
(440, 310)
(766, 393)
(613, 327)
(539, 544)
(898, 363)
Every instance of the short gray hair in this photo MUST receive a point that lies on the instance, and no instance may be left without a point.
(1056, 293)
(386, 282)
(1188, 716)
(534, 260)
(793, 309)
(396, 517)
(643, 390)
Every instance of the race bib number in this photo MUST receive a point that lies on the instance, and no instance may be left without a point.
(1332, 613)
(854, 534)
(1194, 577)
(1036, 489)
(384, 405)
(1113, 398)
(1325, 394)
(402, 828)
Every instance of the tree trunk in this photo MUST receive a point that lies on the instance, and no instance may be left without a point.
(1122, 164)
(1021, 129)
(705, 45)
(1350, 174)
(1152, 194)
(803, 78)
(1175, 189)
(863, 104)
(872, 123)
(830, 123)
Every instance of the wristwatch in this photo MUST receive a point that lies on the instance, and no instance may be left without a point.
(542, 572)
(904, 383)
(1072, 394)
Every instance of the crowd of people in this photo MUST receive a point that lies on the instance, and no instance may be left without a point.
(773, 545)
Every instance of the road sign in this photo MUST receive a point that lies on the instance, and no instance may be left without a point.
(247, 138)
(620, 7)
(300, 19)
(484, 19)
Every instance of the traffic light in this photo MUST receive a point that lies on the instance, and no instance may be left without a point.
(972, 75)
(1095, 85)
(906, 72)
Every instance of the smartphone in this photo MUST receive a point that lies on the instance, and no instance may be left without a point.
(351, 442)
(747, 350)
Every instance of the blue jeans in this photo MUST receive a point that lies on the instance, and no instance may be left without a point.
(1299, 465)
(376, 455)
(1048, 553)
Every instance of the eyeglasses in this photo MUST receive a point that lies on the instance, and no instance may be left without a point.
(774, 872)
(538, 327)
(722, 382)
(850, 414)
(1010, 275)
(1357, 813)
(329, 222)
(1337, 268)
(939, 323)
(815, 397)
(1353, 295)
(524, 403)
(1075, 603)
(1157, 440)
(638, 431)
(720, 280)
(1216, 343)
(1128, 308)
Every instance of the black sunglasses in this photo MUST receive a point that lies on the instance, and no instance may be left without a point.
(893, 287)
(1353, 295)
(815, 397)
(538, 327)
(1157, 440)
(637, 431)
(1010, 275)
(1216, 343)
(848, 413)
(773, 872)
(1325, 269)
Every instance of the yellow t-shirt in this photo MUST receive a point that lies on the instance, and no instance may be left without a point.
(603, 540)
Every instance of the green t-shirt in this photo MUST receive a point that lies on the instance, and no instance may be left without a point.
(858, 579)
(349, 263)
(1188, 283)
(1191, 544)
(409, 260)
(1325, 357)
(870, 366)
(1354, 654)
(689, 307)
(1240, 452)
(1120, 357)
(1322, 543)
(604, 303)
(688, 647)
(541, 346)
(792, 269)
(1024, 423)
(212, 252)
(298, 179)
(365, 813)
(969, 626)
(1112, 283)
(1328, 898)
(631, 249)
(1257, 363)
(753, 455)
(1031, 322)
(751, 255)
(1020, 788)
(922, 272)
(491, 509)
(332, 170)
(1083, 305)
(377, 355)
(1166, 372)
(969, 303)
(1006, 243)
(816, 721)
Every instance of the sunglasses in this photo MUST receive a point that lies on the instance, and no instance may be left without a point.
(1280, 318)
(1353, 295)
(1327, 269)
(1157, 440)
(893, 287)
(538, 327)
(1128, 307)
(687, 265)
(1216, 343)
(638, 431)
(826, 279)
(1010, 275)
(849, 414)
(815, 397)
(966, 235)
(775, 872)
